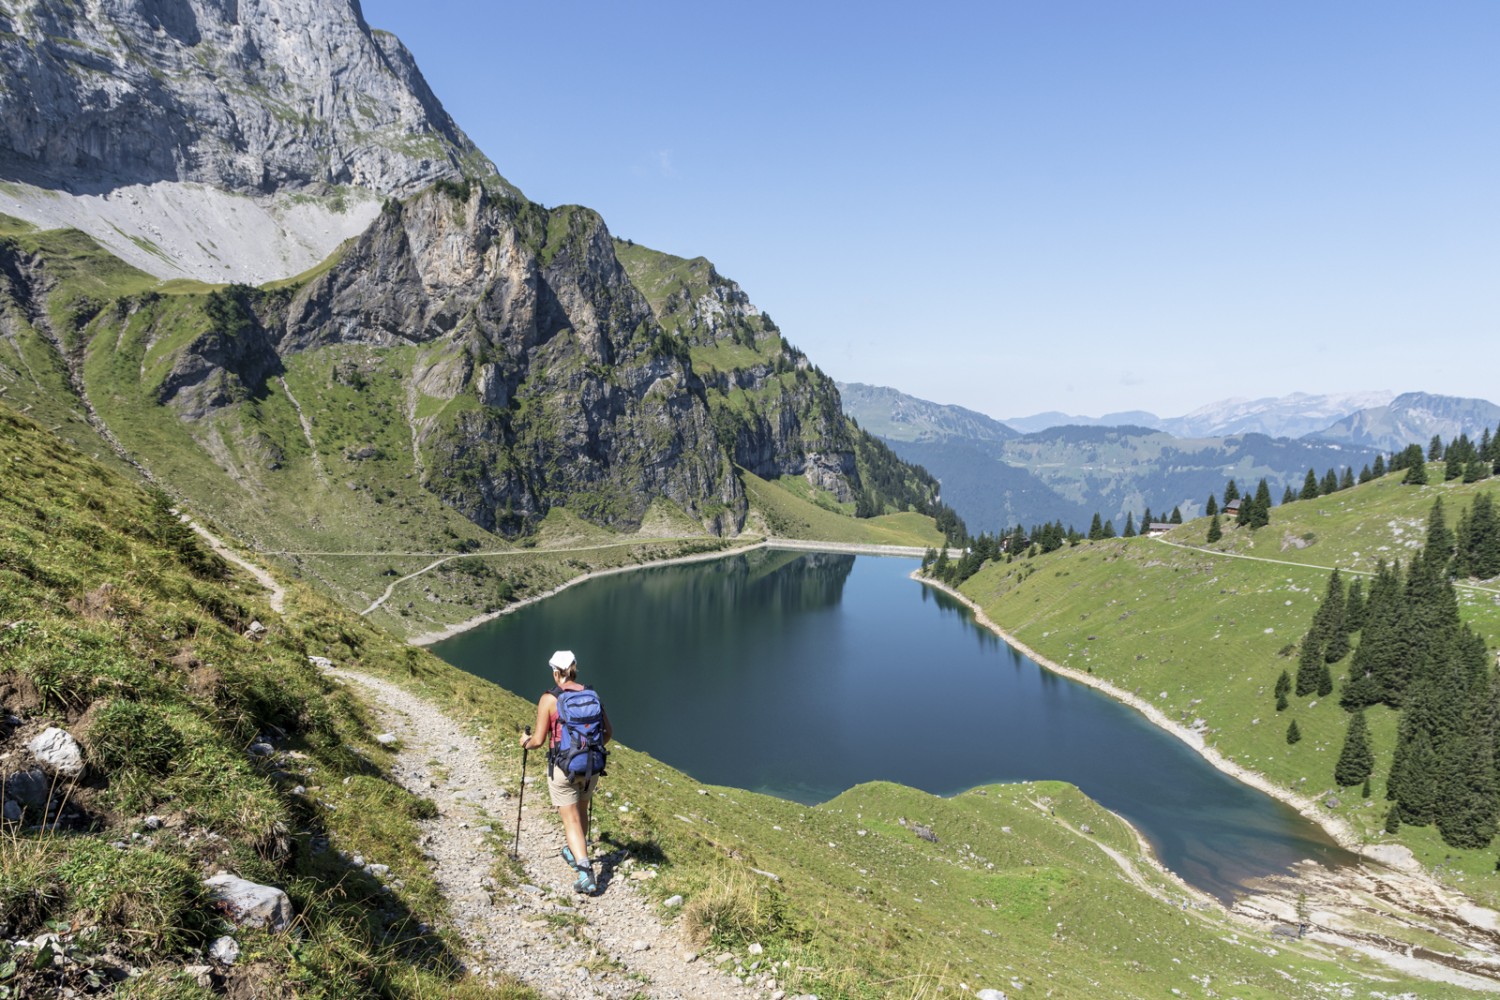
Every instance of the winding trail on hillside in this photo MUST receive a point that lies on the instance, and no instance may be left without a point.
(277, 596)
(1301, 565)
(606, 947)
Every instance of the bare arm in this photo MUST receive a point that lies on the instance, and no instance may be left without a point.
(544, 710)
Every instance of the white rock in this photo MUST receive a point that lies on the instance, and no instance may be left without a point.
(386, 739)
(224, 950)
(673, 901)
(640, 946)
(990, 995)
(756, 949)
(320, 661)
(58, 752)
(249, 903)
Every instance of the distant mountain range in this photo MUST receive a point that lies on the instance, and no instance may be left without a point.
(1054, 466)
(1275, 416)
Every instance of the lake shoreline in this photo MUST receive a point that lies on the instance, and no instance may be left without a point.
(1335, 827)
(794, 544)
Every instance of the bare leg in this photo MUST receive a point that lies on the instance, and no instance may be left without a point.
(572, 820)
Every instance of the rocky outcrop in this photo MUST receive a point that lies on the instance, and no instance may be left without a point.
(252, 97)
(774, 411)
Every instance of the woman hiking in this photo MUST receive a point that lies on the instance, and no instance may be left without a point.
(579, 735)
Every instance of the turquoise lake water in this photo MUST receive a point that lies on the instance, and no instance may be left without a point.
(801, 674)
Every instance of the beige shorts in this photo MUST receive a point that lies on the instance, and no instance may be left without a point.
(569, 793)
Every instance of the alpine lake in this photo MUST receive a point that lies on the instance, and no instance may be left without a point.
(802, 674)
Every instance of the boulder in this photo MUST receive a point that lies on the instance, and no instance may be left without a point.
(58, 752)
(29, 788)
(249, 903)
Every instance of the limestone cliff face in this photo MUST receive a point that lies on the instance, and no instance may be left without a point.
(540, 376)
(775, 412)
(249, 96)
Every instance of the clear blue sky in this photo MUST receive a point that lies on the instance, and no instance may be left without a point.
(1026, 206)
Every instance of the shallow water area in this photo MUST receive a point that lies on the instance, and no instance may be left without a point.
(801, 674)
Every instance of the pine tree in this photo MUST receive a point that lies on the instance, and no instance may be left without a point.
(1283, 688)
(1475, 470)
(1325, 680)
(1416, 474)
(1365, 475)
(1435, 448)
(1231, 491)
(1096, 528)
(1214, 531)
(1146, 521)
(1329, 621)
(1415, 784)
(1310, 486)
(1439, 550)
(1262, 515)
(1346, 481)
(1293, 734)
(1393, 819)
(1176, 517)
(1109, 529)
(1378, 469)
(1309, 665)
(1329, 484)
(1356, 760)
(1129, 525)
(1288, 495)
(1212, 507)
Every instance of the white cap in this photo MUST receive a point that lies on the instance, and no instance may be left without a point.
(562, 660)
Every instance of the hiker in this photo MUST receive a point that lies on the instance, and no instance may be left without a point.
(575, 738)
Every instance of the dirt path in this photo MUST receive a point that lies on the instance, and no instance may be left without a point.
(277, 597)
(561, 944)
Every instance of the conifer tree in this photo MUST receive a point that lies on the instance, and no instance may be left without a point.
(1435, 448)
(1283, 688)
(1146, 521)
(1365, 475)
(1212, 507)
(1310, 486)
(1129, 525)
(1309, 665)
(1293, 734)
(1356, 760)
(1176, 517)
(1231, 491)
(1393, 819)
(1328, 622)
(1214, 531)
(1414, 779)
(1354, 607)
(1262, 515)
(1109, 529)
(1416, 474)
(1096, 528)
(1325, 680)
(1475, 470)
(1346, 481)
(1329, 484)
(1439, 550)
(1378, 469)
(1288, 495)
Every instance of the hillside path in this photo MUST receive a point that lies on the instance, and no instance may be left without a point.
(1302, 565)
(611, 946)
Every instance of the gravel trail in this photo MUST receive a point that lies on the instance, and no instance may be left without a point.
(559, 943)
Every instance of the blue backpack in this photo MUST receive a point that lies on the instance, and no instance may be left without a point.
(579, 751)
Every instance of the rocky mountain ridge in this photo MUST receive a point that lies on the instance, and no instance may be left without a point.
(217, 141)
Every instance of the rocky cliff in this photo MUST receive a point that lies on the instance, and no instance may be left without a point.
(238, 141)
(253, 97)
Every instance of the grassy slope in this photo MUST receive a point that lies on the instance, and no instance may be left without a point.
(1012, 890)
(123, 630)
(338, 503)
(788, 511)
(1204, 636)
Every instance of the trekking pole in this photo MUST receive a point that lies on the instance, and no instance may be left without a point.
(521, 796)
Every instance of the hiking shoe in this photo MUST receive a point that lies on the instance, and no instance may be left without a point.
(586, 883)
(567, 855)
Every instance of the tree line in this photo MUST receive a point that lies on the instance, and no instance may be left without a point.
(1415, 656)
